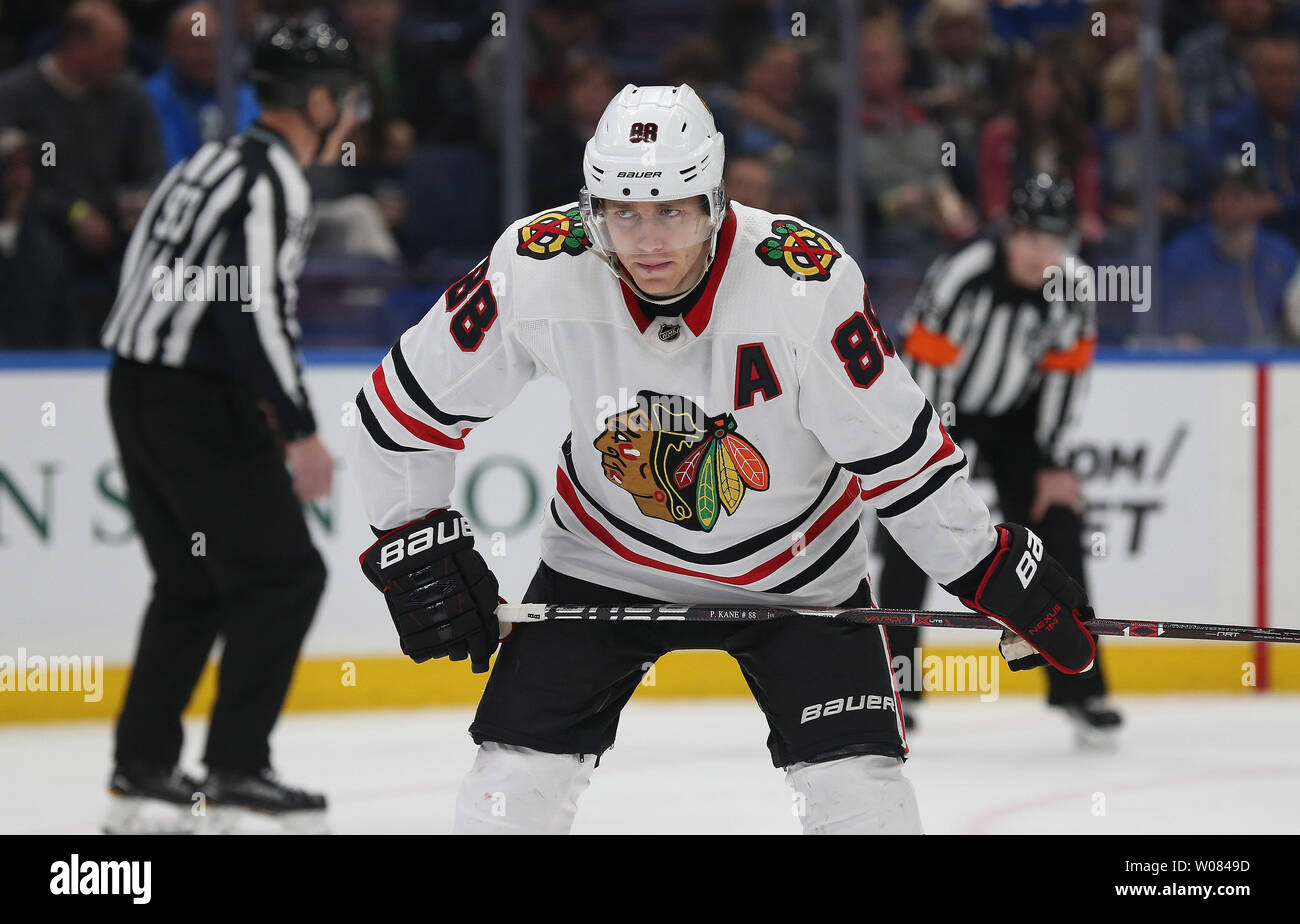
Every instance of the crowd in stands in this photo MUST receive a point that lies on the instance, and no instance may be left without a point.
(962, 100)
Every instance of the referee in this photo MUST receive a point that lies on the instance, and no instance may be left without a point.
(983, 337)
(207, 404)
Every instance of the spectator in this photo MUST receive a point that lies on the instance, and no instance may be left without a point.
(1044, 132)
(1120, 147)
(558, 31)
(251, 21)
(358, 201)
(104, 152)
(395, 71)
(432, 55)
(1109, 30)
(1268, 119)
(1211, 61)
(748, 179)
(1225, 281)
(699, 61)
(184, 88)
(911, 201)
(350, 219)
(958, 73)
(749, 25)
(798, 171)
(766, 111)
(555, 166)
(145, 21)
(31, 260)
(402, 87)
(1179, 20)
(1035, 23)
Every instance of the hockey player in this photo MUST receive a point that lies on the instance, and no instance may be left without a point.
(763, 403)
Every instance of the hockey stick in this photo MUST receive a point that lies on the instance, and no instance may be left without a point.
(539, 612)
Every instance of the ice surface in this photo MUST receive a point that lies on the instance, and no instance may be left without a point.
(1185, 765)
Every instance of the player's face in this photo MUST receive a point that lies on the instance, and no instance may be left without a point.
(662, 245)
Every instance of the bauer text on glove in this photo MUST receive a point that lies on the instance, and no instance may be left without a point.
(440, 592)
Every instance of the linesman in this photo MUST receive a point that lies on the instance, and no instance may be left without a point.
(207, 404)
(985, 343)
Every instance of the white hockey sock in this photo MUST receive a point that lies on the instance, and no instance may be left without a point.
(514, 790)
(863, 794)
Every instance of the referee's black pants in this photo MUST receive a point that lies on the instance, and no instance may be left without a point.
(1007, 444)
(231, 557)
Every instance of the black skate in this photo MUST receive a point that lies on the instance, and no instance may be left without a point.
(258, 803)
(1096, 724)
(149, 799)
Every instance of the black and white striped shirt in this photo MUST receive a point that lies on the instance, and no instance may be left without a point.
(209, 279)
(987, 346)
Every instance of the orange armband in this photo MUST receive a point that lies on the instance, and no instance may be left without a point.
(931, 347)
(1075, 359)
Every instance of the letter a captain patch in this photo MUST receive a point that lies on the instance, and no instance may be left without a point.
(754, 375)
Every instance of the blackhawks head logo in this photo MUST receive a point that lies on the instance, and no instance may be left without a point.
(678, 463)
(803, 252)
(553, 232)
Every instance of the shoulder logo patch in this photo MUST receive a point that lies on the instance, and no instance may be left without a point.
(553, 233)
(803, 252)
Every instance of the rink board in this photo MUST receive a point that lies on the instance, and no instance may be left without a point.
(1168, 453)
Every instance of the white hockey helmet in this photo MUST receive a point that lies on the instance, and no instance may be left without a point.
(653, 144)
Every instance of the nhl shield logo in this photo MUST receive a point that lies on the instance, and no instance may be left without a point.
(803, 252)
(669, 332)
(553, 233)
(678, 463)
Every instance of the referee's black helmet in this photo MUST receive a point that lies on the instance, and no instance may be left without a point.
(291, 59)
(1044, 204)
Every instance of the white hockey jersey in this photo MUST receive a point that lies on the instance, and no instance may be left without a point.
(720, 457)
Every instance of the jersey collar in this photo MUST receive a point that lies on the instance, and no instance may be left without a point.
(697, 316)
(268, 136)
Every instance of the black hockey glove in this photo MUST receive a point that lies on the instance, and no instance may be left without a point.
(1029, 593)
(440, 593)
